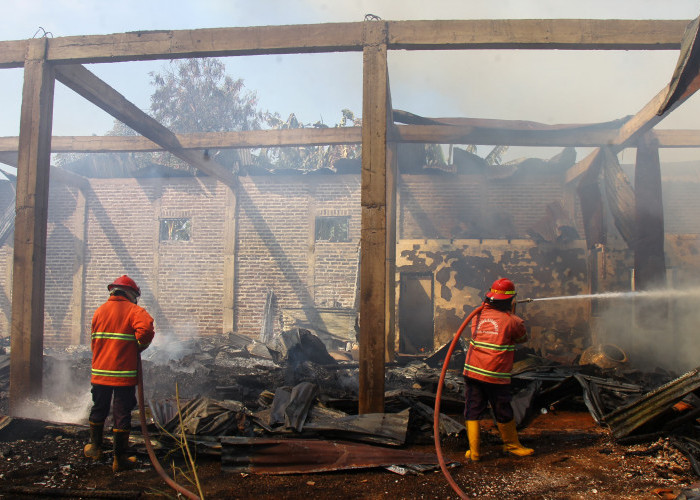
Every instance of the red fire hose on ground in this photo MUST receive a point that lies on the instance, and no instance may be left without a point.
(436, 415)
(149, 447)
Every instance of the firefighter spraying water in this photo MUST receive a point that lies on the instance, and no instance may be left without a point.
(495, 331)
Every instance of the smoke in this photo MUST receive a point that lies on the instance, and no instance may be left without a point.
(66, 390)
(657, 329)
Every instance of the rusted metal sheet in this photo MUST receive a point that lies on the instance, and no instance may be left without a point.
(379, 428)
(300, 456)
(630, 417)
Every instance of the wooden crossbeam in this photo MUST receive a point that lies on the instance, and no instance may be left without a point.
(101, 94)
(633, 129)
(207, 140)
(571, 34)
(429, 134)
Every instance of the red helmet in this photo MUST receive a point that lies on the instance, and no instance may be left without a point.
(127, 282)
(502, 289)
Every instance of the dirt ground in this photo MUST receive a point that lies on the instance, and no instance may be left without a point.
(574, 458)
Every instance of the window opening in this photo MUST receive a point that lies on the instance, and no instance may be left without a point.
(175, 229)
(333, 229)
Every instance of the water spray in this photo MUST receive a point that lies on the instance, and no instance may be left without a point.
(663, 293)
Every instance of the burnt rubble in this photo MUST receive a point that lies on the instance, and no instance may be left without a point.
(239, 397)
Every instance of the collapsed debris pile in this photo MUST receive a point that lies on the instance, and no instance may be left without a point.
(288, 405)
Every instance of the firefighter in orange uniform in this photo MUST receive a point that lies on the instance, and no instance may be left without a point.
(495, 331)
(121, 329)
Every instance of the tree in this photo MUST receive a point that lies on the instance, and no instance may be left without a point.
(196, 95)
(191, 95)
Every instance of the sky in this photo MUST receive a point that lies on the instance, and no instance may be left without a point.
(545, 86)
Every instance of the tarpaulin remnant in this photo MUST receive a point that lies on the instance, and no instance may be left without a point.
(205, 417)
(291, 406)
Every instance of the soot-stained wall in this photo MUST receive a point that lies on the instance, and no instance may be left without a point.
(463, 271)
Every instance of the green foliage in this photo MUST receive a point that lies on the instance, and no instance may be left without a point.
(196, 95)
(307, 158)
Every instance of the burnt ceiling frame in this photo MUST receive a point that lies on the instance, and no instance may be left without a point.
(45, 60)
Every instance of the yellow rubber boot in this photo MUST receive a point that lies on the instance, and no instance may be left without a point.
(94, 448)
(511, 444)
(121, 461)
(474, 436)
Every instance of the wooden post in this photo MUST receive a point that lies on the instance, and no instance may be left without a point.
(391, 179)
(27, 330)
(77, 303)
(230, 238)
(649, 259)
(373, 240)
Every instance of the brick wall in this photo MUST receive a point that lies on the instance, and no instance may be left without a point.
(64, 265)
(184, 283)
(181, 281)
(474, 206)
(276, 248)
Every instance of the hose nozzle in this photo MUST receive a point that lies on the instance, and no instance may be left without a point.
(523, 300)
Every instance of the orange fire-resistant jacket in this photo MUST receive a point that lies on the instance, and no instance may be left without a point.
(492, 346)
(119, 329)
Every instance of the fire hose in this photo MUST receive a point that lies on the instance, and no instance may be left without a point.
(436, 415)
(149, 448)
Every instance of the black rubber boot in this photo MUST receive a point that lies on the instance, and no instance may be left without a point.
(94, 448)
(121, 461)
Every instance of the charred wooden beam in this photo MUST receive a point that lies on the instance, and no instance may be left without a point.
(203, 140)
(684, 83)
(85, 83)
(373, 239)
(27, 324)
(571, 34)
(504, 134)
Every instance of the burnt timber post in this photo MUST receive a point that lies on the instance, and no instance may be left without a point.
(27, 323)
(649, 258)
(373, 238)
(391, 198)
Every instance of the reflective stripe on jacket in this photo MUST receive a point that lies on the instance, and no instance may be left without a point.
(492, 346)
(119, 327)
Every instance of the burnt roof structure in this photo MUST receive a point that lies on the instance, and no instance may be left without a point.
(48, 59)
